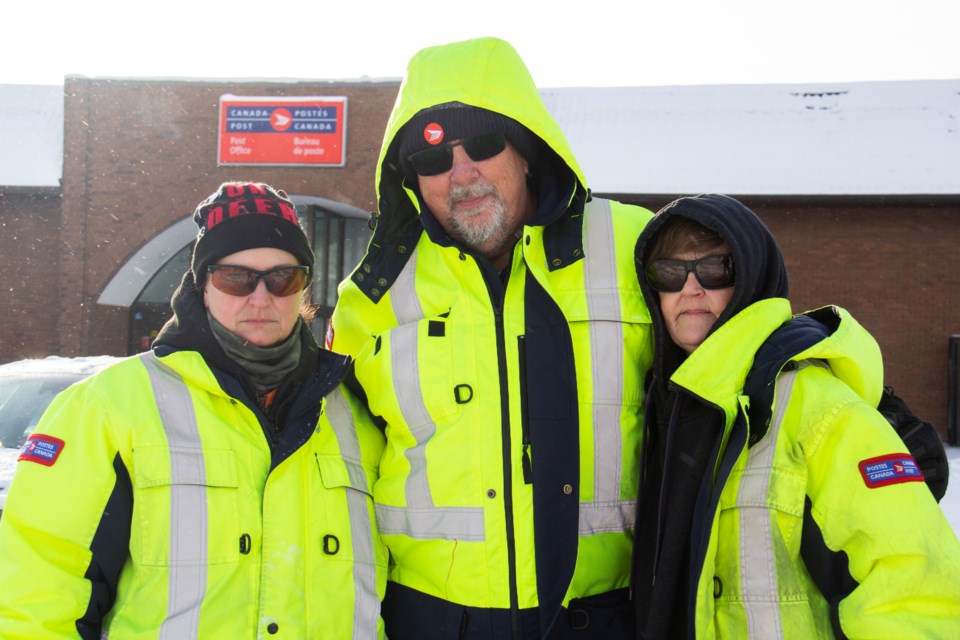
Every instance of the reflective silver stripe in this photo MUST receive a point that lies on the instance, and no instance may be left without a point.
(607, 512)
(366, 607)
(420, 519)
(188, 501)
(603, 517)
(758, 564)
(406, 379)
(403, 293)
(441, 523)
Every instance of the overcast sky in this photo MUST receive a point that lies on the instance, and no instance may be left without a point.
(565, 43)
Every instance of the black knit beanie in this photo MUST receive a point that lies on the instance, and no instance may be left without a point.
(454, 121)
(246, 215)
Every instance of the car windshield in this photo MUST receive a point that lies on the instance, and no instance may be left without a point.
(23, 400)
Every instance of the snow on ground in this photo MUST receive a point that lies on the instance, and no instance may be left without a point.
(8, 464)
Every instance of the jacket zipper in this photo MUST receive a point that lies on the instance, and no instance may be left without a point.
(524, 410)
(507, 473)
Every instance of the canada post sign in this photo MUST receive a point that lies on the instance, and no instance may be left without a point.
(282, 130)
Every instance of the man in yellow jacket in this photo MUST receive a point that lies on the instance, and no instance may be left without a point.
(500, 337)
(218, 486)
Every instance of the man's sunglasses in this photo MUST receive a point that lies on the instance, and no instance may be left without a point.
(712, 272)
(437, 160)
(235, 280)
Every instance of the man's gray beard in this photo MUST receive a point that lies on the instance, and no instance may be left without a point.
(466, 228)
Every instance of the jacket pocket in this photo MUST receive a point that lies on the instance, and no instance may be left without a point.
(759, 537)
(614, 334)
(337, 471)
(185, 502)
(409, 375)
(348, 513)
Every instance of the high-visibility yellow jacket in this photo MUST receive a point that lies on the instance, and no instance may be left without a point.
(150, 504)
(828, 494)
(512, 411)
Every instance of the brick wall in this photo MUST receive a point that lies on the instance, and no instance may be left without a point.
(895, 265)
(29, 262)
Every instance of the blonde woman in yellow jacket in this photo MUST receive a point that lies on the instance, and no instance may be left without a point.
(500, 335)
(814, 524)
(218, 486)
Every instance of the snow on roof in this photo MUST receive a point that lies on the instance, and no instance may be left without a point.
(31, 127)
(868, 138)
(877, 138)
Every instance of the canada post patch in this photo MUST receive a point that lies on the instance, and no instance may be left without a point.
(890, 469)
(41, 449)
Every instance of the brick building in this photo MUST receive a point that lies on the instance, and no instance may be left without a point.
(859, 183)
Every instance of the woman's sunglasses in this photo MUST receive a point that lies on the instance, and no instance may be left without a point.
(235, 280)
(433, 162)
(712, 272)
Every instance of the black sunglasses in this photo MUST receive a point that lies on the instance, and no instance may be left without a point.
(235, 280)
(712, 272)
(433, 162)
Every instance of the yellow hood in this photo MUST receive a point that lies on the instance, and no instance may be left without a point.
(486, 73)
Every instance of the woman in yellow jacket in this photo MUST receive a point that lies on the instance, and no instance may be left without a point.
(814, 524)
(218, 486)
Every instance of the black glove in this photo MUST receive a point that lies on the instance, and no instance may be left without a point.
(921, 439)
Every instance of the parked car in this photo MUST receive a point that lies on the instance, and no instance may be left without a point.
(26, 389)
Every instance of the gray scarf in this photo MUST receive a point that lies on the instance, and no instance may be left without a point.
(266, 367)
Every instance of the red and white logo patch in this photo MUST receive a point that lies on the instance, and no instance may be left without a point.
(890, 469)
(433, 133)
(41, 449)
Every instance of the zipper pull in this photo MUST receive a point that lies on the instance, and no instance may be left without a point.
(527, 467)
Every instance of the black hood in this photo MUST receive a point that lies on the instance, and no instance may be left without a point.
(759, 266)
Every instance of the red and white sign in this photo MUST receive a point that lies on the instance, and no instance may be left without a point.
(272, 130)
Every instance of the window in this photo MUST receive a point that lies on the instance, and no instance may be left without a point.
(339, 243)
